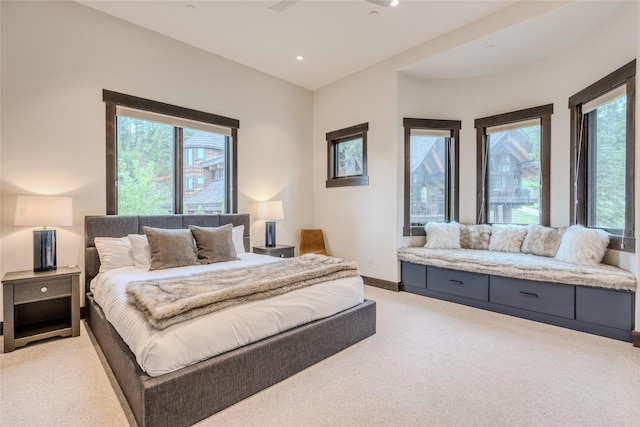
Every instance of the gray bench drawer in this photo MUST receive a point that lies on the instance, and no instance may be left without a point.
(542, 297)
(413, 275)
(460, 283)
(605, 307)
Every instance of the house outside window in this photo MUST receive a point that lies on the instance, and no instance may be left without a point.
(347, 156)
(430, 173)
(602, 163)
(514, 167)
(163, 164)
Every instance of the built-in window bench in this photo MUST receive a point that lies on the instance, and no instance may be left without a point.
(595, 299)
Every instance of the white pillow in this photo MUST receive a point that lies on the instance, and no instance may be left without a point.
(140, 249)
(114, 252)
(507, 238)
(238, 239)
(442, 235)
(582, 245)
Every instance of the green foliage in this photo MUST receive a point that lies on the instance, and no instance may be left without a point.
(610, 154)
(137, 194)
(145, 161)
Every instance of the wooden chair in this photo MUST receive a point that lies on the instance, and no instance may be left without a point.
(312, 241)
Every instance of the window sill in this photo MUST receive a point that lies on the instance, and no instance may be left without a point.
(348, 181)
(414, 230)
(622, 243)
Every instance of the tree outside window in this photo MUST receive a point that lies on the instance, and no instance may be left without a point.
(164, 159)
(603, 152)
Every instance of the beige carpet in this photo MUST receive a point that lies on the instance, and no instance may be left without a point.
(430, 363)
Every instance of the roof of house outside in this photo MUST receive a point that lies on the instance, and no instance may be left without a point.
(202, 139)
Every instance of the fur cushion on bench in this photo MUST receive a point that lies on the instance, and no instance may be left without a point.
(521, 266)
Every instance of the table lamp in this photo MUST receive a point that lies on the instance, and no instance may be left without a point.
(270, 211)
(44, 211)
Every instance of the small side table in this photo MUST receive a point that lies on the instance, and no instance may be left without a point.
(281, 251)
(40, 305)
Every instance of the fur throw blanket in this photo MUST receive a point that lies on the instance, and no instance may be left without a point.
(168, 301)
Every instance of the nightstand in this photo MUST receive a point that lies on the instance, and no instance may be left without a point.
(281, 251)
(40, 305)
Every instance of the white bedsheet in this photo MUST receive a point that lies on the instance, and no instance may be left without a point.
(162, 351)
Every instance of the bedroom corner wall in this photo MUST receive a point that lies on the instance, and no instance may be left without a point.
(57, 57)
(366, 222)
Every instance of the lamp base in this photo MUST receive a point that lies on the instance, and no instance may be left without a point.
(44, 250)
(270, 234)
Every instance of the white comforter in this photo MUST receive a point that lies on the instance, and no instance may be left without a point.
(162, 351)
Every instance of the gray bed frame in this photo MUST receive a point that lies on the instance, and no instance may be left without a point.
(196, 392)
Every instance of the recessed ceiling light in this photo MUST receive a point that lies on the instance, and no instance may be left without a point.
(299, 57)
(394, 3)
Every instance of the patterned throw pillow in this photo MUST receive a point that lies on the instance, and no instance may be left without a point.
(543, 241)
(475, 236)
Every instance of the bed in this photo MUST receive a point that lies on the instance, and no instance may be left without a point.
(198, 390)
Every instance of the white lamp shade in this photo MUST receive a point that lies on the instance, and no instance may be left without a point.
(44, 211)
(270, 210)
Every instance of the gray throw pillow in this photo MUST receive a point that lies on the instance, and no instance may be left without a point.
(170, 247)
(215, 244)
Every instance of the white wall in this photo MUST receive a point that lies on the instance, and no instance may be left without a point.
(57, 57)
(361, 220)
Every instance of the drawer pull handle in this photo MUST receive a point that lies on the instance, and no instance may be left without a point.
(43, 289)
(456, 282)
(529, 294)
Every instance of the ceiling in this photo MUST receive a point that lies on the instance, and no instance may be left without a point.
(340, 37)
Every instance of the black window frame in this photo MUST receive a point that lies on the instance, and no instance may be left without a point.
(579, 191)
(114, 99)
(452, 203)
(543, 113)
(333, 140)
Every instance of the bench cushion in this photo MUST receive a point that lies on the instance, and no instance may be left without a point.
(521, 266)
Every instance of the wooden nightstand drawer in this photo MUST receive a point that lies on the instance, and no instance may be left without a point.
(278, 251)
(41, 290)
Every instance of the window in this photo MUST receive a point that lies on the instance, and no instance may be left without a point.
(602, 161)
(347, 156)
(163, 159)
(430, 173)
(513, 167)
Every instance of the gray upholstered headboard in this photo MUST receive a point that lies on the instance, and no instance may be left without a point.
(123, 225)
